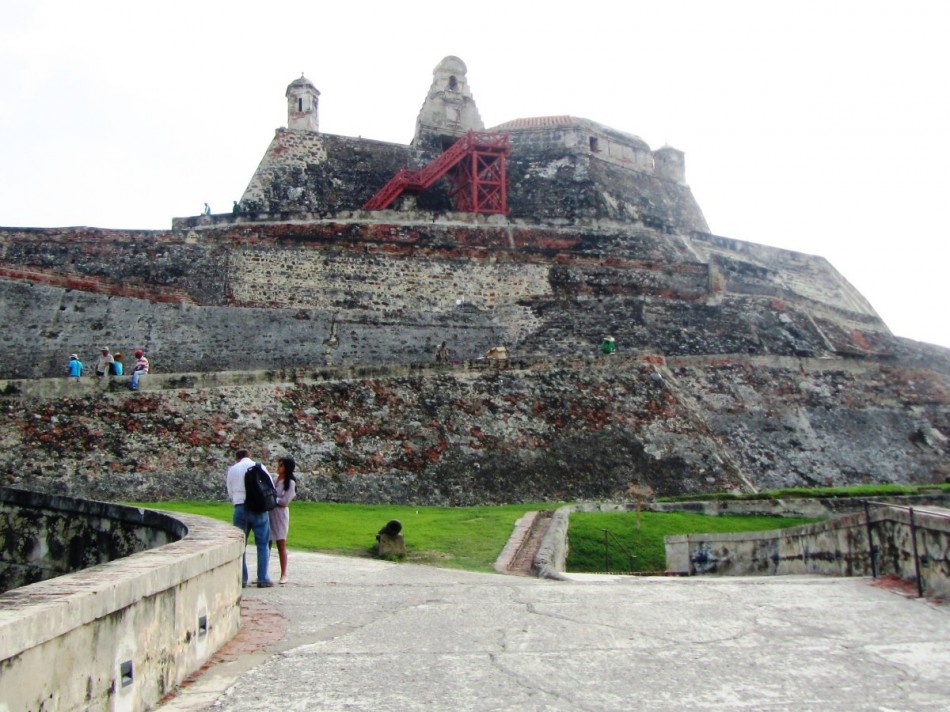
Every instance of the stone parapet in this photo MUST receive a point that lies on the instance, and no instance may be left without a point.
(121, 634)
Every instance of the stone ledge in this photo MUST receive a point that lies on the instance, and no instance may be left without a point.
(181, 598)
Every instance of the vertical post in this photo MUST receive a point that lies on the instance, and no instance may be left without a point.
(867, 522)
(606, 552)
(913, 535)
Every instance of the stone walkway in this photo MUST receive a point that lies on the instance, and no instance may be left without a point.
(358, 634)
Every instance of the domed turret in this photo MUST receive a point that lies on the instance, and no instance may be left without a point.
(302, 101)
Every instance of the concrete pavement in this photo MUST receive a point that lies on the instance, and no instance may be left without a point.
(359, 634)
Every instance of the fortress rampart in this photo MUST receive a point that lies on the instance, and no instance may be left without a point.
(229, 294)
(540, 429)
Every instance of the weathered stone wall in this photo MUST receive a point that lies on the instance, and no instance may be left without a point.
(323, 174)
(570, 134)
(838, 547)
(148, 264)
(41, 539)
(823, 424)
(310, 173)
(540, 430)
(244, 295)
(124, 633)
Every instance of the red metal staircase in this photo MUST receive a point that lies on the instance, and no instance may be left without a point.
(475, 165)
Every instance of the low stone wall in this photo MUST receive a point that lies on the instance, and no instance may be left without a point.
(838, 547)
(551, 559)
(120, 634)
(43, 536)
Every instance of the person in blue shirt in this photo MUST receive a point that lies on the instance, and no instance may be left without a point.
(75, 366)
(117, 366)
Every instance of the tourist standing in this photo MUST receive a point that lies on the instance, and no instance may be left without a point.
(248, 521)
(104, 363)
(280, 515)
(74, 367)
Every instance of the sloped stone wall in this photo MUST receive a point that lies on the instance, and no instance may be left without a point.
(542, 429)
(241, 295)
(324, 174)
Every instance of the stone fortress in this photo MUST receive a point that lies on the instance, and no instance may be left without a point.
(307, 322)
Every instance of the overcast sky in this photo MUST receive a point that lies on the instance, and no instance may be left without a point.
(821, 127)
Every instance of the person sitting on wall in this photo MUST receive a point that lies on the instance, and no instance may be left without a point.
(117, 366)
(236, 209)
(104, 363)
(139, 370)
(608, 345)
(74, 368)
(207, 210)
(442, 353)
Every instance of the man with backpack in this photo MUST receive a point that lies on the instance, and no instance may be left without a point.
(247, 483)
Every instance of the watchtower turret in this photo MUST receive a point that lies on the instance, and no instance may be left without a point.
(302, 101)
(449, 110)
(670, 164)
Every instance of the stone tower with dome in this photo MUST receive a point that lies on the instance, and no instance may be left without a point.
(303, 105)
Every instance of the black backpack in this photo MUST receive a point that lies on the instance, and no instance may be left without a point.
(260, 493)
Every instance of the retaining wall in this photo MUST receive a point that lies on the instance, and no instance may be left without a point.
(119, 635)
(838, 547)
(531, 429)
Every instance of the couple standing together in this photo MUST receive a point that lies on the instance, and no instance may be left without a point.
(267, 526)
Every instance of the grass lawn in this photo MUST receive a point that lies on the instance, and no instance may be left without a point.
(586, 536)
(471, 538)
(455, 537)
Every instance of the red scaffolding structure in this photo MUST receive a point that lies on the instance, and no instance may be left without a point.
(475, 166)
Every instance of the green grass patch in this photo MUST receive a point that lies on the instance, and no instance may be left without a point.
(862, 491)
(586, 536)
(455, 537)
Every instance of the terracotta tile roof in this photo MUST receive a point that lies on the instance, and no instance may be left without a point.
(539, 122)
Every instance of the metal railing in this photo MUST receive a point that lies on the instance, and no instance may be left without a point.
(607, 535)
(874, 550)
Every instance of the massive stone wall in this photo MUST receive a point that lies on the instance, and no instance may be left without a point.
(542, 429)
(240, 295)
(230, 294)
(304, 172)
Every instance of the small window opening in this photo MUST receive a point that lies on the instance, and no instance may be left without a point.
(202, 625)
(594, 145)
(125, 671)
(453, 83)
(299, 104)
